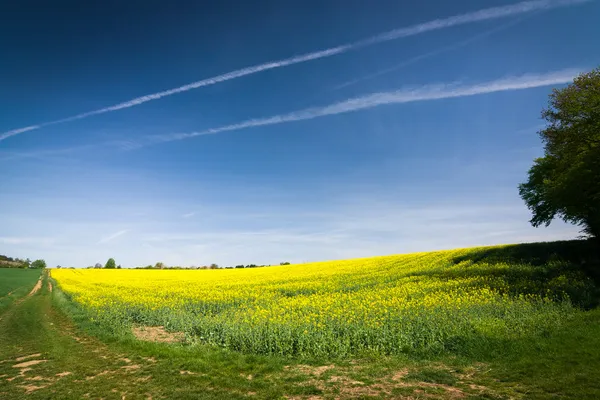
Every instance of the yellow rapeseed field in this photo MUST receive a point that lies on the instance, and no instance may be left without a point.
(438, 301)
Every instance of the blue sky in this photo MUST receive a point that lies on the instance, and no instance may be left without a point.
(311, 130)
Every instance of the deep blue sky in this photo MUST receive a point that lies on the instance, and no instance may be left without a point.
(399, 177)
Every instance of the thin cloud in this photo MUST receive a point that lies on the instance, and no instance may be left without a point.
(423, 93)
(44, 154)
(16, 240)
(113, 236)
(432, 53)
(442, 23)
(188, 215)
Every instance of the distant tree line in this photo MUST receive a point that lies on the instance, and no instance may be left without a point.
(10, 262)
(110, 264)
(160, 265)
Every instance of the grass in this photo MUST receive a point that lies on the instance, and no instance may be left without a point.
(15, 283)
(563, 362)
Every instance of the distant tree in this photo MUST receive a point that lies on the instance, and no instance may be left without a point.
(58, 267)
(565, 183)
(159, 265)
(214, 266)
(239, 266)
(119, 266)
(38, 264)
(110, 264)
(98, 265)
(284, 263)
(27, 263)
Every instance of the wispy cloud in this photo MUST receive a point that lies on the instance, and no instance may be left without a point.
(442, 23)
(422, 93)
(429, 54)
(359, 229)
(43, 154)
(113, 236)
(17, 240)
(188, 215)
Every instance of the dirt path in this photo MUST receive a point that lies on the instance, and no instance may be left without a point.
(37, 287)
(42, 354)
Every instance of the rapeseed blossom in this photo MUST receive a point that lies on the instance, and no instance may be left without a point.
(388, 305)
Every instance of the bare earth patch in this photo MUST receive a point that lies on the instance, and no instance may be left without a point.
(37, 378)
(29, 363)
(37, 287)
(21, 374)
(32, 388)
(342, 386)
(29, 356)
(187, 373)
(310, 370)
(106, 372)
(157, 334)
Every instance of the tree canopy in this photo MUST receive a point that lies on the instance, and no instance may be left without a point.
(110, 264)
(38, 264)
(565, 183)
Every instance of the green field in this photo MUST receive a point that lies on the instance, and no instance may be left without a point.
(554, 352)
(15, 283)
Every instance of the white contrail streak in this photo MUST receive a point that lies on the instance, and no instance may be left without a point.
(113, 236)
(442, 23)
(428, 54)
(427, 92)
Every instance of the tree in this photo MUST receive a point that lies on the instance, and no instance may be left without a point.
(98, 265)
(213, 266)
(58, 267)
(119, 266)
(284, 263)
(110, 264)
(565, 183)
(38, 264)
(159, 265)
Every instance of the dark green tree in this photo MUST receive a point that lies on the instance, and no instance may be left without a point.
(110, 264)
(565, 183)
(39, 264)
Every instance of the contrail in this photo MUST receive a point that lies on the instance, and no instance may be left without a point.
(428, 54)
(423, 93)
(113, 236)
(442, 23)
